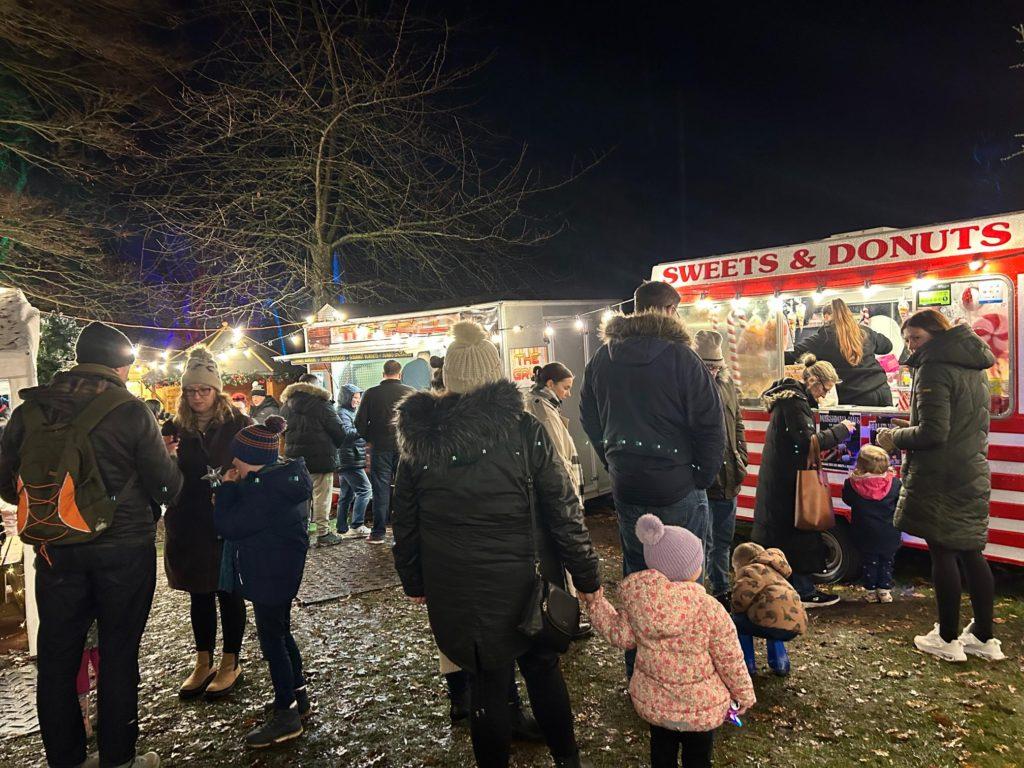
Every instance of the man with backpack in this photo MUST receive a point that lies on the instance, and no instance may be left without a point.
(84, 461)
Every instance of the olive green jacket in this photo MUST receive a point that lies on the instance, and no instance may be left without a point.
(946, 476)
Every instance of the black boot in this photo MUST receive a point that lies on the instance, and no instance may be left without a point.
(301, 702)
(572, 761)
(285, 725)
(458, 697)
(524, 725)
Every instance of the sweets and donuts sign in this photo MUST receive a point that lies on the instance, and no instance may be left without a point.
(961, 238)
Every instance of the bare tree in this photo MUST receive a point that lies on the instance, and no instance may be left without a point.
(321, 149)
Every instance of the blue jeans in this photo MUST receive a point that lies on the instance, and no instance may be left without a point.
(382, 473)
(273, 626)
(690, 512)
(744, 626)
(877, 571)
(723, 526)
(355, 493)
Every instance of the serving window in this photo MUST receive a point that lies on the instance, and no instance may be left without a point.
(755, 331)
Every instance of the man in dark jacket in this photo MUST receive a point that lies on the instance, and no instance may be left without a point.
(314, 433)
(263, 405)
(724, 491)
(652, 412)
(375, 422)
(355, 485)
(110, 578)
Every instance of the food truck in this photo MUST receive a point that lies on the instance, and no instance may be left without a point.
(343, 350)
(763, 301)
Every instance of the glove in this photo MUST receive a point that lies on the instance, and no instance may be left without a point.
(885, 440)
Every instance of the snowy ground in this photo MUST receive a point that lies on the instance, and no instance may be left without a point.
(859, 693)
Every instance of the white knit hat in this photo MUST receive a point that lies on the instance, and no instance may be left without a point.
(201, 370)
(471, 360)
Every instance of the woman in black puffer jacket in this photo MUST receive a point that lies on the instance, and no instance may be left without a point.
(463, 544)
(315, 434)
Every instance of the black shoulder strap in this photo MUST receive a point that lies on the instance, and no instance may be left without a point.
(531, 494)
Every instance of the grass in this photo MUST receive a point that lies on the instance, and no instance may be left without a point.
(859, 693)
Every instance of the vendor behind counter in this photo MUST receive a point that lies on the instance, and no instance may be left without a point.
(851, 348)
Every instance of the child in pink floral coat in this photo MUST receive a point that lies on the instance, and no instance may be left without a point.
(689, 666)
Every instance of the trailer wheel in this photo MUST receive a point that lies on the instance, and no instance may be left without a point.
(842, 560)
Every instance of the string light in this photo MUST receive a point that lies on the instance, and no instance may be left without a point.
(976, 264)
(296, 339)
(310, 319)
(922, 283)
(549, 331)
(165, 354)
(236, 333)
(608, 315)
(775, 303)
(579, 325)
(739, 303)
(517, 329)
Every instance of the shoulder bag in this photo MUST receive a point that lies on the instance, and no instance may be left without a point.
(552, 615)
(813, 495)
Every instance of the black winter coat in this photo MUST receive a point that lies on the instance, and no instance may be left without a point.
(871, 525)
(192, 548)
(652, 411)
(947, 479)
(375, 418)
(861, 384)
(269, 407)
(353, 453)
(462, 519)
(130, 453)
(266, 517)
(787, 442)
(314, 430)
(735, 460)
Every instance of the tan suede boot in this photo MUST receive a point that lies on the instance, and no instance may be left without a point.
(227, 677)
(201, 676)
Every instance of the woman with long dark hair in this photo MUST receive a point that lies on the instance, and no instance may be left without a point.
(203, 428)
(946, 477)
(552, 385)
(851, 348)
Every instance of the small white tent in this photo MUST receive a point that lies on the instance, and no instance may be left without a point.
(19, 345)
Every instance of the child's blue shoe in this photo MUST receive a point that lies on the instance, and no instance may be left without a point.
(747, 644)
(778, 659)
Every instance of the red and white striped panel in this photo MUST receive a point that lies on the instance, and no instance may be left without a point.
(1006, 457)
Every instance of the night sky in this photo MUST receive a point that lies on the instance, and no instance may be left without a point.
(750, 124)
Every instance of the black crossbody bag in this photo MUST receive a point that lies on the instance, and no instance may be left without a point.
(552, 615)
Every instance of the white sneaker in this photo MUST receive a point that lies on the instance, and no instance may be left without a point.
(362, 530)
(934, 644)
(990, 651)
(884, 595)
(871, 596)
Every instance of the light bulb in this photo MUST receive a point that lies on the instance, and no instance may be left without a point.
(739, 303)
(775, 303)
(579, 325)
(166, 353)
(608, 315)
(870, 290)
(296, 339)
(310, 319)
(922, 283)
(496, 338)
(976, 264)
(236, 333)
(339, 315)
(549, 331)
(378, 334)
(517, 328)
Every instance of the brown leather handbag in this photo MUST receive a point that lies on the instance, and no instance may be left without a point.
(813, 495)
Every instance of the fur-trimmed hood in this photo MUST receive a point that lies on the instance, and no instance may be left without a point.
(639, 338)
(301, 391)
(433, 427)
(784, 389)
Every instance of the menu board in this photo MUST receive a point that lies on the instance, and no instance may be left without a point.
(842, 457)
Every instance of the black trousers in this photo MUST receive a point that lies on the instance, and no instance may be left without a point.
(113, 585)
(490, 722)
(946, 566)
(696, 748)
(204, 620)
(273, 626)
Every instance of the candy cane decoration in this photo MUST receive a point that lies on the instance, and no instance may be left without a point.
(735, 326)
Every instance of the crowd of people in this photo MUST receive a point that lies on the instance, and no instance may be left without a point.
(482, 485)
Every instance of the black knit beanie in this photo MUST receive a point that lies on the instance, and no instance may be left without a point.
(99, 344)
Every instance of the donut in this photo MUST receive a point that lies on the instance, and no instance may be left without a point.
(970, 299)
(994, 330)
